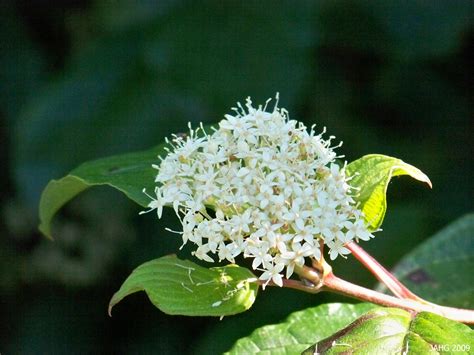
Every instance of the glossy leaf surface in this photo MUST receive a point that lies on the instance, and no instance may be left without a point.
(300, 330)
(394, 331)
(129, 173)
(182, 287)
(371, 175)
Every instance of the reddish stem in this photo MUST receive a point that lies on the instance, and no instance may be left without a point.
(325, 280)
(382, 274)
(335, 284)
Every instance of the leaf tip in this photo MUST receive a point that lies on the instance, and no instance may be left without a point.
(46, 231)
(424, 178)
(428, 181)
(112, 303)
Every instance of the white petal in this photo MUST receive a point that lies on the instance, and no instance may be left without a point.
(278, 280)
(299, 223)
(289, 270)
(256, 263)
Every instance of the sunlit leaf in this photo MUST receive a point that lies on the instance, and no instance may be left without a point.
(394, 331)
(181, 287)
(300, 330)
(371, 175)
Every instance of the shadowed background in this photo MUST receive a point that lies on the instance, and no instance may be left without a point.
(82, 79)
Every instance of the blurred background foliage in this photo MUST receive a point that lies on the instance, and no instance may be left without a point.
(82, 79)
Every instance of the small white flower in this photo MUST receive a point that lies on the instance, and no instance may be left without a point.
(357, 229)
(242, 222)
(296, 257)
(279, 241)
(272, 273)
(267, 229)
(306, 234)
(296, 215)
(337, 248)
(201, 253)
(260, 254)
(228, 252)
(156, 203)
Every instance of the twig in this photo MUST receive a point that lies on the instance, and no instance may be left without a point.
(382, 274)
(335, 284)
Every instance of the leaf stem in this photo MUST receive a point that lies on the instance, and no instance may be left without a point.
(382, 274)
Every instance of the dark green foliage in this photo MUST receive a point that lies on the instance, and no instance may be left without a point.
(443, 262)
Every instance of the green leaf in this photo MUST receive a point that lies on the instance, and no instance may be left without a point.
(394, 331)
(440, 269)
(129, 173)
(371, 175)
(300, 330)
(379, 331)
(182, 287)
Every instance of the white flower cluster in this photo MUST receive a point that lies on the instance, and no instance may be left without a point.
(260, 186)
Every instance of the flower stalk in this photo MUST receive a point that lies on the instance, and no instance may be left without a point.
(338, 285)
(382, 274)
